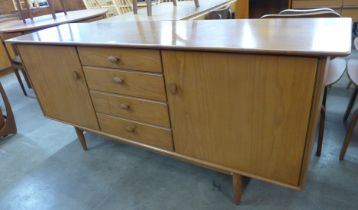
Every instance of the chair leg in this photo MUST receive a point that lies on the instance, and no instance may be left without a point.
(81, 138)
(20, 81)
(26, 79)
(321, 131)
(350, 105)
(348, 137)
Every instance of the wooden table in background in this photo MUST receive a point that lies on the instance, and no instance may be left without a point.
(166, 11)
(15, 28)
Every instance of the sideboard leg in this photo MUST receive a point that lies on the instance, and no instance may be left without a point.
(237, 187)
(81, 137)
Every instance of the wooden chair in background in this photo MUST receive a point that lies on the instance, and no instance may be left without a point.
(224, 13)
(336, 67)
(27, 12)
(7, 120)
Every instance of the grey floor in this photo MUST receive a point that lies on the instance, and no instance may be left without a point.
(44, 167)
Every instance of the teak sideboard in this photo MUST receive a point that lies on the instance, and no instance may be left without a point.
(238, 96)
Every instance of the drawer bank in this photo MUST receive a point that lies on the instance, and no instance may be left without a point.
(238, 96)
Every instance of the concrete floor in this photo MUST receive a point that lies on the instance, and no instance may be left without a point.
(44, 167)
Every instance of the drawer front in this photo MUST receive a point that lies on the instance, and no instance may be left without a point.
(350, 2)
(316, 3)
(353, 13)
(129, 83)
(135, 131)
(141, 110)
(132, 59)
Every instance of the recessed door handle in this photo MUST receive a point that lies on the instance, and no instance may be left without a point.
(173, 88)
(76, 76)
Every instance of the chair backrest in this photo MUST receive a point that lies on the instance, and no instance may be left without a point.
(300, 11)
(305, 13)
(224, 13)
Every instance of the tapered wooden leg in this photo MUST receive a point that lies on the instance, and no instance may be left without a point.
(81, 138)
(237, 187)
(350, 105)
(322, 123)
(20, 81)
(321, 131)
(348, 137)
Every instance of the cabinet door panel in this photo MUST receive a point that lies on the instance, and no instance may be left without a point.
(246, 112)
(57, 77)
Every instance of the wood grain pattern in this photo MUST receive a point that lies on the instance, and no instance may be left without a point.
(60, 94)
(143, 85)
(4, 60)
(141, 110)
(242, 111)
(133, 59)
(145, 133)
(322, 66)
(316, 3)
(350, 2)
(350, 12)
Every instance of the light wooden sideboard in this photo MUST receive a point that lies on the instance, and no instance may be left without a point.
(244, 102)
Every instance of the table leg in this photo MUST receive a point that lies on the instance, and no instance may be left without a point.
(237, 187)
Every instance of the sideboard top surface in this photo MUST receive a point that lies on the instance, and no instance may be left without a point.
(311, 37)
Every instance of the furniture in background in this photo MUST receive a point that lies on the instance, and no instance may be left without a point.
(224, 13)
(235, 105)
(335, 67)
(353, 75)
(15, 28)
(149, 6)
(165, 11)
(258, 8)
(50, 5)
(7, 119)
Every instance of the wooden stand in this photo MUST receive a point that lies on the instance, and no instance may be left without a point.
(237, 187)
(81, 138)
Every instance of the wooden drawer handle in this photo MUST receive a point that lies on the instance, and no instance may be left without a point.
(76, 76)
(118, 80)
(125, 106)
(173, 88)
(113, 59)
(130, 129)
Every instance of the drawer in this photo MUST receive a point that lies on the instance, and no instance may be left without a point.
(141, 110)
(129, 83)
(353, 13)
(135, 131)
(316, 3)
(350, 2)
(132, 59)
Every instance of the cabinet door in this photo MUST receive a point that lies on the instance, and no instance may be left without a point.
(58, 80)
(246, 112)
